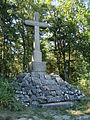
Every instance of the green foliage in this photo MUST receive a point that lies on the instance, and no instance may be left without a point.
(84, 86)
(16, 105)
(48, 56)
(7, 92)
(69, 34)
(69, 30)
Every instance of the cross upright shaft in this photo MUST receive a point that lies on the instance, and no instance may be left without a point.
(36, 33)
(36, 24)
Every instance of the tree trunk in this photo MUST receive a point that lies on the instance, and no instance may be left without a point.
(28, 54)
(56, 54)
(3, 57)
(4, 37)
(59, 51)
(63, 52)
(24, 66)
(69, 64)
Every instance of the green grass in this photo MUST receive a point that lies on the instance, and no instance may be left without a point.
(78, 109)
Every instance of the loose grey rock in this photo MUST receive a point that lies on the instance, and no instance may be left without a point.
(22, 119)
(37, 87)
(62, 117)
(85, 117)
(21, 75)
(33, 97)
(27, 76)
(36, 118)
(34, 103)
(1, 118)
(10, 118)
(44, 114)
(47, 77)
(29, 92)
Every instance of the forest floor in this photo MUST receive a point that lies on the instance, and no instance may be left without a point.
(80, 111)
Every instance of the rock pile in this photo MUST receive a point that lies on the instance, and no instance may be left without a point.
(36, 88)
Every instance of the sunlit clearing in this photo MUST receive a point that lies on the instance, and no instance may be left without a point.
(87, 111)
(83, 82)
(73, 112)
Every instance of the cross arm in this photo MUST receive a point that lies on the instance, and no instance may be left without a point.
(35, 23)
(29, 23)
(43, 25)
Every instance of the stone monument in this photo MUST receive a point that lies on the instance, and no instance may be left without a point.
(38, 88)
(37, 64)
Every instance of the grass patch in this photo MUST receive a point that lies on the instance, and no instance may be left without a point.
(79, 109)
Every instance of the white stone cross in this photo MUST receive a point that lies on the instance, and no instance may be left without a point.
(37, 55)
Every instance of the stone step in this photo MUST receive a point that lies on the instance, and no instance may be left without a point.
(58, 104)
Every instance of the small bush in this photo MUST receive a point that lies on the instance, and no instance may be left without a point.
(84, 86)
(7, 91)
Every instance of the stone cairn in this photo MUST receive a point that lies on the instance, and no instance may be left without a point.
(36, 88)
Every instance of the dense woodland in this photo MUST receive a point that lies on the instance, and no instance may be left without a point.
(65, 44)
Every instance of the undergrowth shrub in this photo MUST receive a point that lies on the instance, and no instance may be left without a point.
(7, 91)
(84, 86)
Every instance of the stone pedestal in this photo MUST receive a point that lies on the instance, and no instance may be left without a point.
(38, 66)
